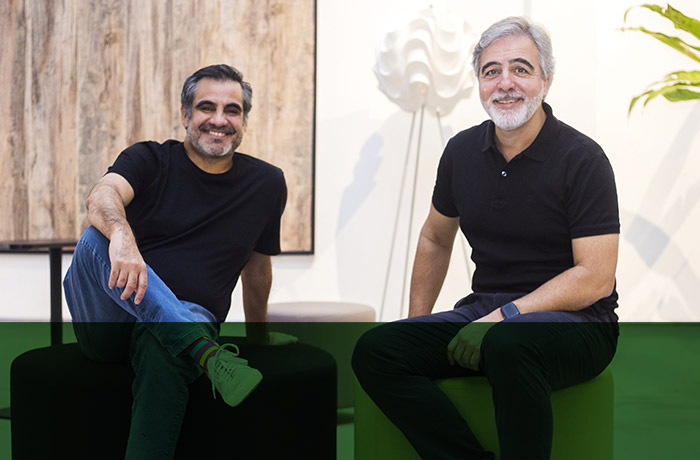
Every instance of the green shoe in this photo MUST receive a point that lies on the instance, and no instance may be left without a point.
(231, 375)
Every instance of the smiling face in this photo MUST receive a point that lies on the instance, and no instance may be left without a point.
(511, 86)
(215, 127)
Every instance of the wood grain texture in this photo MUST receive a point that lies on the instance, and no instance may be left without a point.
(13, 183)
(88, 78)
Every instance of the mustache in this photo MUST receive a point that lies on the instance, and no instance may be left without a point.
(507, 95)
(211, 127)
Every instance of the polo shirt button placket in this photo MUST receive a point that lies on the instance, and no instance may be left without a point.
(499, 199)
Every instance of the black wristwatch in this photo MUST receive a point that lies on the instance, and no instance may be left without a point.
(509, 310)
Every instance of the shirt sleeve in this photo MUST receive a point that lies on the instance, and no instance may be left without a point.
(442, 192)
(138, 164)
(269, 241)
(592, 205)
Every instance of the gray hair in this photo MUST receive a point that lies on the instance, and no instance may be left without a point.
(219, 72)
(517, 26)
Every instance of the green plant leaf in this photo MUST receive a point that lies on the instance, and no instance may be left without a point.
(681, 94)
(680, 20)
(633, 102)
(654, 8)
(674, 42)
(690, 77)
(675, 93)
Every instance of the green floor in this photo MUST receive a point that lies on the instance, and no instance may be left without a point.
(657, 392)
(657, 389)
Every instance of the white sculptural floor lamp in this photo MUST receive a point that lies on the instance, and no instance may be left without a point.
(424, 64)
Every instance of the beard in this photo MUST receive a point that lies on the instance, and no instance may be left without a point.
(213, 150)
(510, 119)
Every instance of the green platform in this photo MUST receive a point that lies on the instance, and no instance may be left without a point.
(581, 413)
(656, 388)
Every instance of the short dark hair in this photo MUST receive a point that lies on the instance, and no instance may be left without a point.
(219, 72)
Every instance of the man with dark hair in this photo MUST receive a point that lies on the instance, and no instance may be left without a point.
(173, 226)
(537, 201)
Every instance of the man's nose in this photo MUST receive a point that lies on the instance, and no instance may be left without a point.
(218, 118)
(506, 81)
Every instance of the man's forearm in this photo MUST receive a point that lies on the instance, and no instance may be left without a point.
(255, 303)
(106, 206)
(106, 212)
(590, 279)
(572, 290)
(429, 271)
(257, 281)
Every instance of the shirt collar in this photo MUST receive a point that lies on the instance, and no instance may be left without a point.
(540, 148)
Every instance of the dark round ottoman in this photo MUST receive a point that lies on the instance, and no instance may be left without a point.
(67, 406)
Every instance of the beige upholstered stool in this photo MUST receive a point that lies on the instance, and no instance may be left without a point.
(332, 326)
(327, 312)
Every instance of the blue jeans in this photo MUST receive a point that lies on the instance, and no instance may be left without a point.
(524, 359)
(151, 336)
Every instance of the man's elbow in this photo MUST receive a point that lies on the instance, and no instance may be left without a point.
(90, 201)
(96, 198)
(604, 287)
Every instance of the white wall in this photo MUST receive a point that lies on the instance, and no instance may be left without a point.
(362, 141)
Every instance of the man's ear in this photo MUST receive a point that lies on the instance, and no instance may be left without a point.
(183, 116)
(547, 84)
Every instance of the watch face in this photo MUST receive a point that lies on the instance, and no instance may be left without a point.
(510, 310)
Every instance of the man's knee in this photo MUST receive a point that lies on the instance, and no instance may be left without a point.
(101, 341)
(507, 349)
(372, 351)
(90, 257)
(364, 352)
(148, 355)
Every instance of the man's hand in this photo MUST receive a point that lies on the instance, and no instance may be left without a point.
(258, 334)
(465, 348)
(128, 268)
(280, 338)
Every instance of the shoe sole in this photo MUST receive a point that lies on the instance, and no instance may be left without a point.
(247, 384)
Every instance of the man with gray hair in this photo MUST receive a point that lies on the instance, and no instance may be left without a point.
(173, 227)
(537, 202)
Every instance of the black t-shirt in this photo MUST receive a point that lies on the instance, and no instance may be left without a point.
(520, 216)
(197, 230)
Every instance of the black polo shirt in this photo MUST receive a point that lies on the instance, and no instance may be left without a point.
(520, 216)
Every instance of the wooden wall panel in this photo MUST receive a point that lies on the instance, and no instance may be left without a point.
(90, 77)
(50, 121)
(13, 183)
(282, 73)
(101, 91)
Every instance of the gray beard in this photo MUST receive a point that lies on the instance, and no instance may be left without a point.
(207, 153)
(509, 120)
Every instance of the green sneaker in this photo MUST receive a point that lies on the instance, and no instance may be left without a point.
(231, 375)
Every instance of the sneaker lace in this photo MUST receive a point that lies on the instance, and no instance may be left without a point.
(223, 364)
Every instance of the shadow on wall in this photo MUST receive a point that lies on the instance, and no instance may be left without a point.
(363, 181)
(369, 204)
(652, 228)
